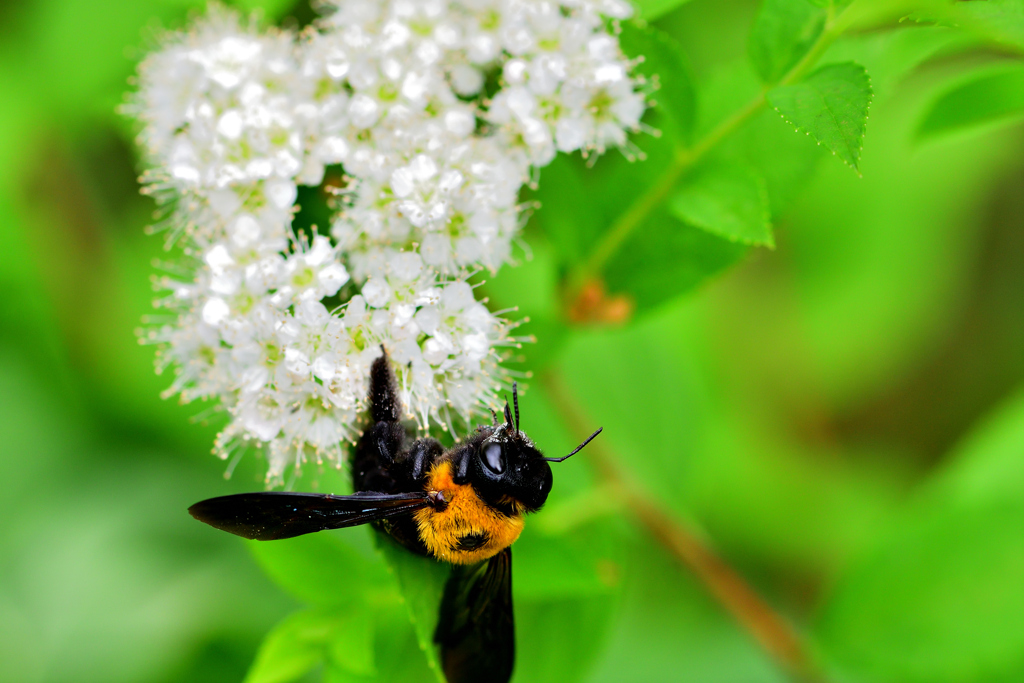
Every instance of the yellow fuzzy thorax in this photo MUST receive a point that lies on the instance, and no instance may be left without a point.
(466, 515)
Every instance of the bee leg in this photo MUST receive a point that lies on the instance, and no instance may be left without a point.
(438, 500)
(375, 458)
(384, 442)
(414, 464)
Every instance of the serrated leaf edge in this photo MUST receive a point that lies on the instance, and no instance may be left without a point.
(863, 127)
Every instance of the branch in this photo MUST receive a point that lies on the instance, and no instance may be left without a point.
(687, 158)
(772, 632)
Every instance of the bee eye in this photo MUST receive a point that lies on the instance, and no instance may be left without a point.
(494, 458)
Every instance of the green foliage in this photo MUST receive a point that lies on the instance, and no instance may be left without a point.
(894, 229)
(987, 97)
(578, 626)
(890, 55)
(576, 565)
(652, 9)
(396, 656)
(728, 200)
(1003, 18)
(783, 32)
(830, 105)
(666, 258)
(617, 186)
(421, 582)
(358, 631)
(557, 579)
(271, 10)
(765, 144)
(1001, 21)
(293, 647)
(939, 596)
(668, 627)
(342, 639)
(798, 411)
(321, 569)
(665, 65)
(676, 256)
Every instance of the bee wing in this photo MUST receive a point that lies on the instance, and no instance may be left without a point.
(272, 515)
(475, 628)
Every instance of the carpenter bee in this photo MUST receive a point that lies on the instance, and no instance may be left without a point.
(463, 506)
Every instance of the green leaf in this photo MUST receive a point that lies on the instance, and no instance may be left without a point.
(661, 258)
(652, 9)
(891, 56)
(669, 629)
(783, 32)
(292, 648)
(337, 674)
(396, 652)
(559, 639)
(665, 258)
(528, 287)
(830, 105)
(322, 569)
(615, 183)
(421, 581)
(351, 642)
(728, 200)
(940, 596)
(998, 20)
(663, 63)
(907, 226)
(571, 226)
(988, 97)
(583, 563)
(271, 9)
(77, 54)
(1004, 19)
(785, 161)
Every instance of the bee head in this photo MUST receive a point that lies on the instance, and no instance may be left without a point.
(507, 468)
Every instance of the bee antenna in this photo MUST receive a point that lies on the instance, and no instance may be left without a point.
(577, 449)
(508, 415)
(515, 402)
(495, 416)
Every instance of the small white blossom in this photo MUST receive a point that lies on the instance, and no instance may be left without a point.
(438, 112)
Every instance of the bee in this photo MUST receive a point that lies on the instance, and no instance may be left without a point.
(463, 506)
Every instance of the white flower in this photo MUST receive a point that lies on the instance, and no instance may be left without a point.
(283, 328)
(314, 273)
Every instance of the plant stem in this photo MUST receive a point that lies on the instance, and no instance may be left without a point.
(640, 209)
(686, 158)
(775, 636)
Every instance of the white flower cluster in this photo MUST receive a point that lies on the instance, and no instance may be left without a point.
(438, 111)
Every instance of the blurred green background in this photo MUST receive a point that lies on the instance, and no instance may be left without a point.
(842, 416)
